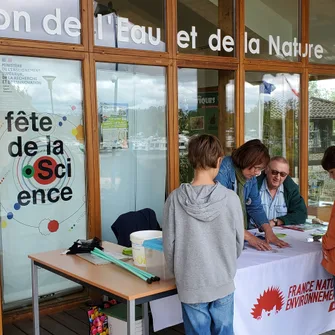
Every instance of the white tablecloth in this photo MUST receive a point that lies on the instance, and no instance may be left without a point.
(285, 291)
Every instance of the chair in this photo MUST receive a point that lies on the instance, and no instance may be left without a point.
(127, 223)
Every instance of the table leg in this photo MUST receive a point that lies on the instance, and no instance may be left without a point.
(34, 277)
(145, 311)
(131, 317)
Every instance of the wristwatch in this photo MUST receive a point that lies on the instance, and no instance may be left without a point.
(275, 221)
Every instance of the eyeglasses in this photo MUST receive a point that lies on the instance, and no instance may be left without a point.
(275, 173)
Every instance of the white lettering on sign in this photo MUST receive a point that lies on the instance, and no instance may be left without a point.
(53, 18)
(100, 27)
(122, 29)
(152, 40)
(137, 34)
(226, 43)
(253, 45)
(126, 32)
(72, 26)
(26, 17)
(5, 19)
(184, 36)
(294, 48)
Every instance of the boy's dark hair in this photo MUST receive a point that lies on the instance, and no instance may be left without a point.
(328, 160)
(204, 151)
(251, 153)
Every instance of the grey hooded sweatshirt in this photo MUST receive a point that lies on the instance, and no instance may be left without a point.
(203, 235)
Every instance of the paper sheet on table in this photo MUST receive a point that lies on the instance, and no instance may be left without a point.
(166, 312)
(93, 259)
(117, 255)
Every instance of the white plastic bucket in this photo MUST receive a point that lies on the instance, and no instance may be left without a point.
(137, 239)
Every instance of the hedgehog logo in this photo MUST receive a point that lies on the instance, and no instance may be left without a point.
(272, 300)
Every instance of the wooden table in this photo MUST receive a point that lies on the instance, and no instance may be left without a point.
(109, 279)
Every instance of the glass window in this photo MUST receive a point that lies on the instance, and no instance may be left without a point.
(133, 142)
(321, 189)
(272, 114)
(130, 24)
(206, 27)
(272, 29)
(205, 105)
(321, 27)
(53, 21)
(42, 187)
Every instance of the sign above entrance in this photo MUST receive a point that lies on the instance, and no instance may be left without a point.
(120, 32)
(216, 42)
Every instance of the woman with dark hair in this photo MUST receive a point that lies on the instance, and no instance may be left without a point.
(239, 173)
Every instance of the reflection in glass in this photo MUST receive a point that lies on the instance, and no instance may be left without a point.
(133, 143)
(50, 80)
(267, 20)
(321, 135)
(53, 21)
(321, 28)
(205, 105)
(206, 27)
(130, 24)
(42, 192)
(272, 114)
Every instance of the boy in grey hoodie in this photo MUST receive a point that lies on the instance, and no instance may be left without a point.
(203, 235)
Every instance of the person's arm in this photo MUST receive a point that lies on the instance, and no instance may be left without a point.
(223, 175)
(254, 206)
(296, 209)
(328, 240)
(256, 211)
(238, 224)
(169, 233)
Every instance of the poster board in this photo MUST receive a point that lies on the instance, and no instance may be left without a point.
(205, 118)
(114, 126)
(42, 168)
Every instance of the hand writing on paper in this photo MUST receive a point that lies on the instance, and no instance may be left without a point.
(256, 242)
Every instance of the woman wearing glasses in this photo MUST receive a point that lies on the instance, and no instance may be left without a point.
(280, 195)
(239, 173)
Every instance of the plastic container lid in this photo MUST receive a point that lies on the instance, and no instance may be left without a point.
(139, 236)
(154, 244)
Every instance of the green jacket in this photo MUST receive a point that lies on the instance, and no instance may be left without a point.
(296, 207)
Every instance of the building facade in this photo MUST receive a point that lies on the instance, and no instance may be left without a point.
(99, 98)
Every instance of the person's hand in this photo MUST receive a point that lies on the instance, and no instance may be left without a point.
(270, 237)
(273, 224)
(256, 242)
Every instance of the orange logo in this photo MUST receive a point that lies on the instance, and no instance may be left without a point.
(272, 300)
